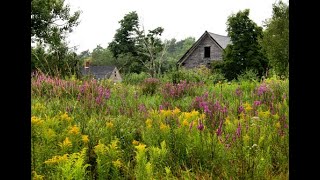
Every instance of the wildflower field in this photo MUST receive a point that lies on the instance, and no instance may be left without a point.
(88, 129)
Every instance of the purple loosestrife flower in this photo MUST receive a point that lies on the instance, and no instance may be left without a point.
(262, 89)
(239, 130)
(238, 92)
(224, 110)
(257, 103)
(219, 130)
(142, 108)
(200, 126)
(240, 109)
(160, 107)
(107, 94)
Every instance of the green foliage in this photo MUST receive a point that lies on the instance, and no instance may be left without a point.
(245, 51)
(150, 85)
(275, 39)
(56, 61)
(190, 75)
(175, 50)
(108, 160)
(102, 57)
(50, 22)
(248, 75)
(134, 78)
(202, 135)
(125, 37)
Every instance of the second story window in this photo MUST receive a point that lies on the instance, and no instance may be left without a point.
(207, 52)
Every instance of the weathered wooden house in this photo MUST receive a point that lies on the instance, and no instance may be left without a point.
(102, 72)
(207, 48)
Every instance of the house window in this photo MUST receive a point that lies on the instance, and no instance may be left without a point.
(207, 52)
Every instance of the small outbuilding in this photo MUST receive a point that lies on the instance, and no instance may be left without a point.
(208, 48)
(102, 72)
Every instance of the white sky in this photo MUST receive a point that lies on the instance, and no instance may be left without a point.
(180, 19)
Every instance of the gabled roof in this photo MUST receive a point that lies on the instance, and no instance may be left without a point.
(222, 42)
(99, 72)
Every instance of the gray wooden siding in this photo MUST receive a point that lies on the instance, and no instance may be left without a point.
(196, 58)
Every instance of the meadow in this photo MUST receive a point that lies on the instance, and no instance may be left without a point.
(156, 129)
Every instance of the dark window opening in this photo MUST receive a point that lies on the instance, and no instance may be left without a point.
(206, 52)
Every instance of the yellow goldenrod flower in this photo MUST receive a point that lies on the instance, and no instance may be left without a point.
(117, 163)
(51, 133)
(134, 142)
(188, 115)
(247, 106)
(114, 144)
(56, 159)
(242, 116)
(176, 111)
(65, 143)
(109, 125)
(276, 116)
(202, 116)
(36, 121)
(278, 125)
(74, 130)
(185, 122)
(149, 123)
(65, 117)
(37, 176)
(100, 148)
(194, 113)
(85, 138)
(227, 122)
(163, 126)
(267, 113)
(141, 147)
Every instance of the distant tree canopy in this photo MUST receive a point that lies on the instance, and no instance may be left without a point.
(275, 39)
(51, 20)
(245, 51)
(133, 49)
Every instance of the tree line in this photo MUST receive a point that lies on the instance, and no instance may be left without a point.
(134, 49)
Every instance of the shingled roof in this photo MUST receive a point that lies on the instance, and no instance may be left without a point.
(99, 72)
(223, 41)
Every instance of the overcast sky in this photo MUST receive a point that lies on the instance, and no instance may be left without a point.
(180, 19)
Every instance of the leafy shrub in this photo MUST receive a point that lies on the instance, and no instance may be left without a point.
(134, 78)
(248, 75)
(150, 85)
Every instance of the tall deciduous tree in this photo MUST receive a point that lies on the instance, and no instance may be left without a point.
(125, 38)
(245, 51)
(134, 50)
(276, 38)
(51, 21)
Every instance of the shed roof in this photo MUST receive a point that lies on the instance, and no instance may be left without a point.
(99, 72)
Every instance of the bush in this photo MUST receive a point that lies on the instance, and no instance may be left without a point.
(150, 85)
(248, 75)
(190, 75)
(134, 78)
